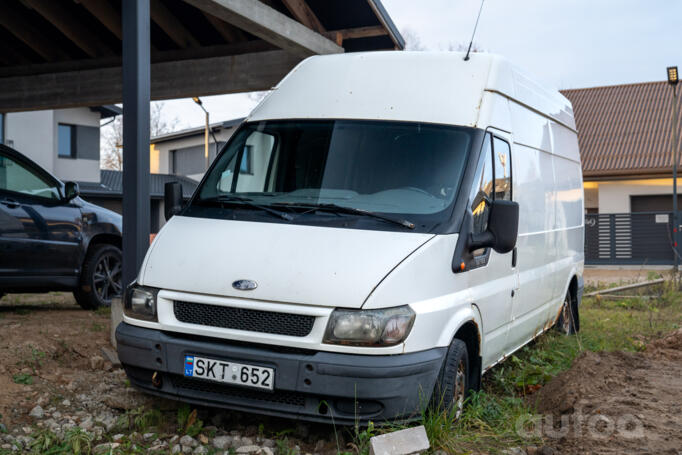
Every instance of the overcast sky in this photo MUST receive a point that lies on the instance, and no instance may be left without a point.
(566, 43)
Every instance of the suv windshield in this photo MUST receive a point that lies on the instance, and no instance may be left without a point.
(322, 171)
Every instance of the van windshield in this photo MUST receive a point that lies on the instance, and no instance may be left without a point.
(408, 171)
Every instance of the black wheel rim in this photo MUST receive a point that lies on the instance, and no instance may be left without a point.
(107, 278)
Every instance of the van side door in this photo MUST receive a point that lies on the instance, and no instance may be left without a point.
(491, 276)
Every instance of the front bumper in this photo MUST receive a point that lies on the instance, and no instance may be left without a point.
(309, 385)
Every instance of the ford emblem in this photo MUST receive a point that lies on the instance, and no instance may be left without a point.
(245, 285)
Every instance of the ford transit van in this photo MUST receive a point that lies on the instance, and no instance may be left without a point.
(380, 231)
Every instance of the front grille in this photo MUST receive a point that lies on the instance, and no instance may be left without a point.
(278, 396)
(295, 325)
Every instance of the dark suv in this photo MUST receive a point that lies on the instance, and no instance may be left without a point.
(51, 239)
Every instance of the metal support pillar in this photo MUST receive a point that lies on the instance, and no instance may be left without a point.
(676, 220)
(136, 97)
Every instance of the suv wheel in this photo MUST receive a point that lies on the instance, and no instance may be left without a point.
(100, 278)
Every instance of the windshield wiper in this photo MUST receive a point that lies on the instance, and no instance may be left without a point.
(351, 210)
(249, 202)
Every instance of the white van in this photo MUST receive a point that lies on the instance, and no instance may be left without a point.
(352, 253)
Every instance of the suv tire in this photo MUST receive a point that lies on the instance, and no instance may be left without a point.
(100, 277)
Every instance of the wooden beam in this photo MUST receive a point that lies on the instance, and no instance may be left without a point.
(17, 25)
(302, 12)
(106, 14)
(170, 24)
(220, 50)
(229, 32)
(177, 79)
(66, 23)
(359, 32)
(269, 24)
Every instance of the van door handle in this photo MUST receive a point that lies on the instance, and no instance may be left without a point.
(514, 254)
(11, 203)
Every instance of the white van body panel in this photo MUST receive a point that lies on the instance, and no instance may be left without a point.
(208, 255)
(310, 269)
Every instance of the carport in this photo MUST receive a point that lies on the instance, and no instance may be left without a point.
(68, 53)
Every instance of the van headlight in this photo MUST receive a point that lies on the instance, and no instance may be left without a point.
(385, 327)
(140, 302)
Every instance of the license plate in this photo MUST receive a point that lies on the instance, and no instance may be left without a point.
(229, 372)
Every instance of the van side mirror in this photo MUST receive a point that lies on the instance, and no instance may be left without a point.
(503, 228)
(172, 199)
(71, 190)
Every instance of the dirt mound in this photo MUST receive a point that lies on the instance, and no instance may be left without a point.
(669, 347)
(616, 402)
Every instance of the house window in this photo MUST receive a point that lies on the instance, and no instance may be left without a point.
(66, 141)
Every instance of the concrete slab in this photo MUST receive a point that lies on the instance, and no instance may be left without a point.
(403, 442)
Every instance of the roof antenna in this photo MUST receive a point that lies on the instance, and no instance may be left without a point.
(466, 57)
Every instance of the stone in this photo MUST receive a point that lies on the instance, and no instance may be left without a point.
(246, 441)
(106, 447)
(201, 450)
(148, 436)
(266, 451)
(111, 356)
(514, 451)
(248, 449)
(268, 443)
(222, 442)
(403, 442)
(96, 362)
(177, 448)
(87, 424)
(546, 450)
(189, 441)
(37, 412)
(66, 403)
(203, 439)
(186, 449)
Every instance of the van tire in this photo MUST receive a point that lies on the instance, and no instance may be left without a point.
(568, 322)
(87, 295)
(452, 387)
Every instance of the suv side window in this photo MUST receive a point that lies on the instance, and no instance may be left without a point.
(482, 191)
(503, 170)
(18, 178)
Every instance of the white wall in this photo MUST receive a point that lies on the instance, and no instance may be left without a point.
(614, 197)
(35, 135)
(86, 170)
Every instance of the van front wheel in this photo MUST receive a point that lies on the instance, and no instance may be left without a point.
(569, 322)
(452, 387)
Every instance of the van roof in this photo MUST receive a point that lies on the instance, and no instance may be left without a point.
(432, 87)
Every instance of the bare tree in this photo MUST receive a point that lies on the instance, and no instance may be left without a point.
(412, 41)
(111, 143)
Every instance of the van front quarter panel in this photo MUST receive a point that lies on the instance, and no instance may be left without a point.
(337, 263)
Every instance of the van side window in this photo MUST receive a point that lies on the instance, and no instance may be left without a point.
(503, 170)
(482, 191)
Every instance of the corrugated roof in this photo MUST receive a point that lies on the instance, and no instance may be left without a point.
(625, 129)
(111, 184)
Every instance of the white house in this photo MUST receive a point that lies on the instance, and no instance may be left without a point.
(63, 141)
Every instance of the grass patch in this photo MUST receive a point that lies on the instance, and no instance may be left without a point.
(488, 423)
(23, 378)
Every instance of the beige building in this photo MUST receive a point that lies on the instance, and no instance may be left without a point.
(183, 152)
